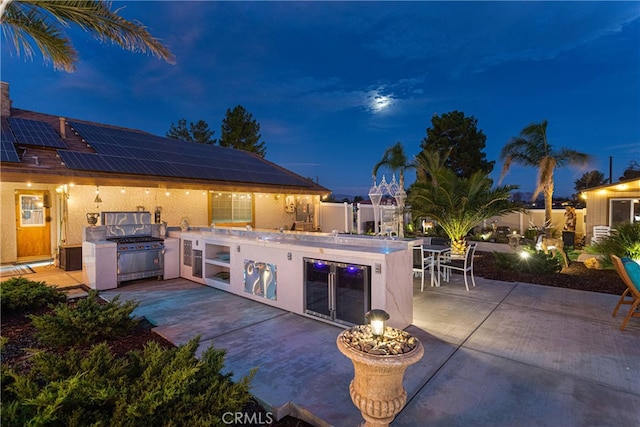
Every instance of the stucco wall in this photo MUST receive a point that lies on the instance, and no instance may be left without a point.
(175, 207)
(269, 210)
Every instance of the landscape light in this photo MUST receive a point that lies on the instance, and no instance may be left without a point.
(377, 318)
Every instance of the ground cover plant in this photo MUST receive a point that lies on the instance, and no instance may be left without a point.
(89, 321)
(528, 260)
(18, 294)
(48, 381)
(624, 241)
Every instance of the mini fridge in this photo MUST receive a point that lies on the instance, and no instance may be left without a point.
(337, 291)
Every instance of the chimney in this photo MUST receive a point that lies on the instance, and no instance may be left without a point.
(63, 129)
(5, 101)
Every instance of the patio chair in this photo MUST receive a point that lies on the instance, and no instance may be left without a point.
(464, 265)
(599, 233)
(633, 289)
(421, 262)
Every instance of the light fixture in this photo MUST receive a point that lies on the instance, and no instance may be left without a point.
(122, 190)
(167, 193)
(187, 192)
(97, 200)
(28, 184)
(146, 191)
(377, 318)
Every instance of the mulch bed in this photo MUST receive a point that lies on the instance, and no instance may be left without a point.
(576, 276)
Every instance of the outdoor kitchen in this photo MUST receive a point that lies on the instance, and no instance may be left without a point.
(332, 277)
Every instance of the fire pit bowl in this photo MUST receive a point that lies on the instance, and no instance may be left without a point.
(379, 364)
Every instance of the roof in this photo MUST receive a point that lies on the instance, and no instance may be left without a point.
(620, 186)
(49, 149)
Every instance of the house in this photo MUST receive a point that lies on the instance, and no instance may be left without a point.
(612, 204)
(58, 174)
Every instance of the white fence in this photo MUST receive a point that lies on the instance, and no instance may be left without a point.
(340, 216)
(336, 216)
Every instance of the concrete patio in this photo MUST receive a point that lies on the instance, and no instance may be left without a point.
(503, 354)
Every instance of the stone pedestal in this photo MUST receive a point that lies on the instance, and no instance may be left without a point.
(376, 388)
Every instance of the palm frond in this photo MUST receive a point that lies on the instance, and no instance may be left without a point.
(34, 19)
(26, 25)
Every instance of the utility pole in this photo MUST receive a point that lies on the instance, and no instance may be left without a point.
(610, 169)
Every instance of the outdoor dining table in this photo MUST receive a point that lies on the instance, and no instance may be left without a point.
(437, 252)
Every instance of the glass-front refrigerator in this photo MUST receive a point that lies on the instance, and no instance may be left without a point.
(337, 291)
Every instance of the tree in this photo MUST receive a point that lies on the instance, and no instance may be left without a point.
(196, 132)
(632, 172)
(532, 149)
(458, 139)
(589, 179)
(43, 22)
(459, 203)
(395, 159)
(241, 131)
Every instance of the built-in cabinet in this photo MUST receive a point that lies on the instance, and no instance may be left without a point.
(171, 258)
(217, 264)
(191, 259)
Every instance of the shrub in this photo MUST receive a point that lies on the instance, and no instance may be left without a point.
(624, 241)
(88, 322)
(18, 294)
(529, 261)
(154, 387)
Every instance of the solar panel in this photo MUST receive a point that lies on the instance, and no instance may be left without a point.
(133, 152)
(32, 132)
(8, 151)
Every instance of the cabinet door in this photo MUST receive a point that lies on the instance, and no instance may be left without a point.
(352, 293)
(317, 280)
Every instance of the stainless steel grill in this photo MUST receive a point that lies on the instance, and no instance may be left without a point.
(140, 255)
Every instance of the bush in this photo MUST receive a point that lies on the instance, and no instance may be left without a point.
(153, 387)
(624, 241)
(18, 294)
(529, 261)
(88, 322)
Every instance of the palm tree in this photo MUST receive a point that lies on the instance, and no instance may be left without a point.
(459, 204)
(43, 22)
(395, 159)
(531, 148)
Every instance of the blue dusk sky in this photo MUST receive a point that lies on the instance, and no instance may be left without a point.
(333, 84)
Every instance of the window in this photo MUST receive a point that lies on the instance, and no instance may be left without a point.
(231, 208)
(623, 211)
(31, 211)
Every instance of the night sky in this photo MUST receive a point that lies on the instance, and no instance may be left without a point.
(333, 84)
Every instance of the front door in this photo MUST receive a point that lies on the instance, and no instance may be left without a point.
(33, 225)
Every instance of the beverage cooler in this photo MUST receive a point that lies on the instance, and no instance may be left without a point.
(337, 291)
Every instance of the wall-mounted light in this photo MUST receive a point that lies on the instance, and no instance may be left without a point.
(377, 318)
(98, 199)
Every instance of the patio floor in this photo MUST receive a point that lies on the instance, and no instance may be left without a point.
(503, 354)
